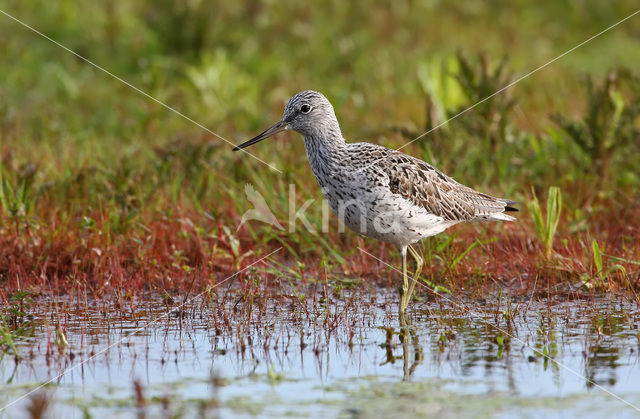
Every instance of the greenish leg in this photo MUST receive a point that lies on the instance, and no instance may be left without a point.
(404, 290)
(414, 279)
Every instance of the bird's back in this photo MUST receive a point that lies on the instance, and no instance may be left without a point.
(425, 186)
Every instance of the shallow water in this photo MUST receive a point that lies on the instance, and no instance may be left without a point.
(456, 359)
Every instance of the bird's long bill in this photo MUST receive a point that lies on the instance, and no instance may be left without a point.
(272, 130)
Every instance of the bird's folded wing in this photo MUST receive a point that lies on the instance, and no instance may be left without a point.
(436, 192)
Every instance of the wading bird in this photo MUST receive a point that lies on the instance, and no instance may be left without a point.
(380, 192)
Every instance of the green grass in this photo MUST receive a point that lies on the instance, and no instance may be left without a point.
(547, 226)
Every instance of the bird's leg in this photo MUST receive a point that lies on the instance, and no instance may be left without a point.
(404, 290)
(405, 282)
(419, 264)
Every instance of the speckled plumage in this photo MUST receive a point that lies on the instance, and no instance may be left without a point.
(365, 183)
(380, 192)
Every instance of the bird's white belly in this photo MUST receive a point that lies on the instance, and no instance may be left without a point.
(384, 216)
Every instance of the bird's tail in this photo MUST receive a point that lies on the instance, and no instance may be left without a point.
(495, 209)
(499, 216)
(508, 207)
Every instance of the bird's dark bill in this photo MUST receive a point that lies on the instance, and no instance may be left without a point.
(272, 130)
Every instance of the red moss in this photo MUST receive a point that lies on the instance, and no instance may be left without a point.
(190, 250)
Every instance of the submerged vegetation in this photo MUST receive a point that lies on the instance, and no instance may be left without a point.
(104, 190)
(282, 350)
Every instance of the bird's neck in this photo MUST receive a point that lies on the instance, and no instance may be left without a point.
(325, 147)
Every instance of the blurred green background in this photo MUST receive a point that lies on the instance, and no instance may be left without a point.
(76, 141)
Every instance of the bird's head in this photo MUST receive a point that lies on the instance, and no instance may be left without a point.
(308, 113)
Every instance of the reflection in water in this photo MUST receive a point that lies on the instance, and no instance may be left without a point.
(267, 357)
(412, 354)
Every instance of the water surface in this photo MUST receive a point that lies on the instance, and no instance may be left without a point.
(500, 357)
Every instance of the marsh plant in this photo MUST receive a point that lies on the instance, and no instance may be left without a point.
(459, 86)
(17, 198)
(480, 80)
(546, 226)
(609, 125)
(605, 266)
(16, 321)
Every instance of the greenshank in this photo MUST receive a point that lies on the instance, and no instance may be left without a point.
(379, 192)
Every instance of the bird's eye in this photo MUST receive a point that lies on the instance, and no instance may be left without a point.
(305, 108)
